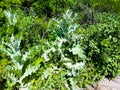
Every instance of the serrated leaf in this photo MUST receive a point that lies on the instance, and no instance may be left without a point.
(77, 50)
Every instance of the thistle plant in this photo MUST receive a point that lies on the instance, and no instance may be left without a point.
(11, 17)
(66, 26)
(66, 50)
(15, 71)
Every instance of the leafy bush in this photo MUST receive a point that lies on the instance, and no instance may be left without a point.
(68, 51)
(18, 70)
(64, 56)
(102, 45)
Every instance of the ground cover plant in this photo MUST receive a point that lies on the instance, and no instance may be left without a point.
(58, 45)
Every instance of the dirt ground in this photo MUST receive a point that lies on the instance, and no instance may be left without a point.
(106, 84)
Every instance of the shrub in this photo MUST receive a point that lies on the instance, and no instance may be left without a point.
(102, 45)
(17, 71)
(62, 56)
(61, 53)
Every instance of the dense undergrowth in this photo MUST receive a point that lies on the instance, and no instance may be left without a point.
(58, 45)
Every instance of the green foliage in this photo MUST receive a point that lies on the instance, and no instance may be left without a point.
(51, 8)
(102, 45)
(64, 46)
(65, 51)
(106, 5)
(15, 72)
(3, 64)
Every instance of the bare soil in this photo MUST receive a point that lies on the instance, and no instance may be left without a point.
(106, 84)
